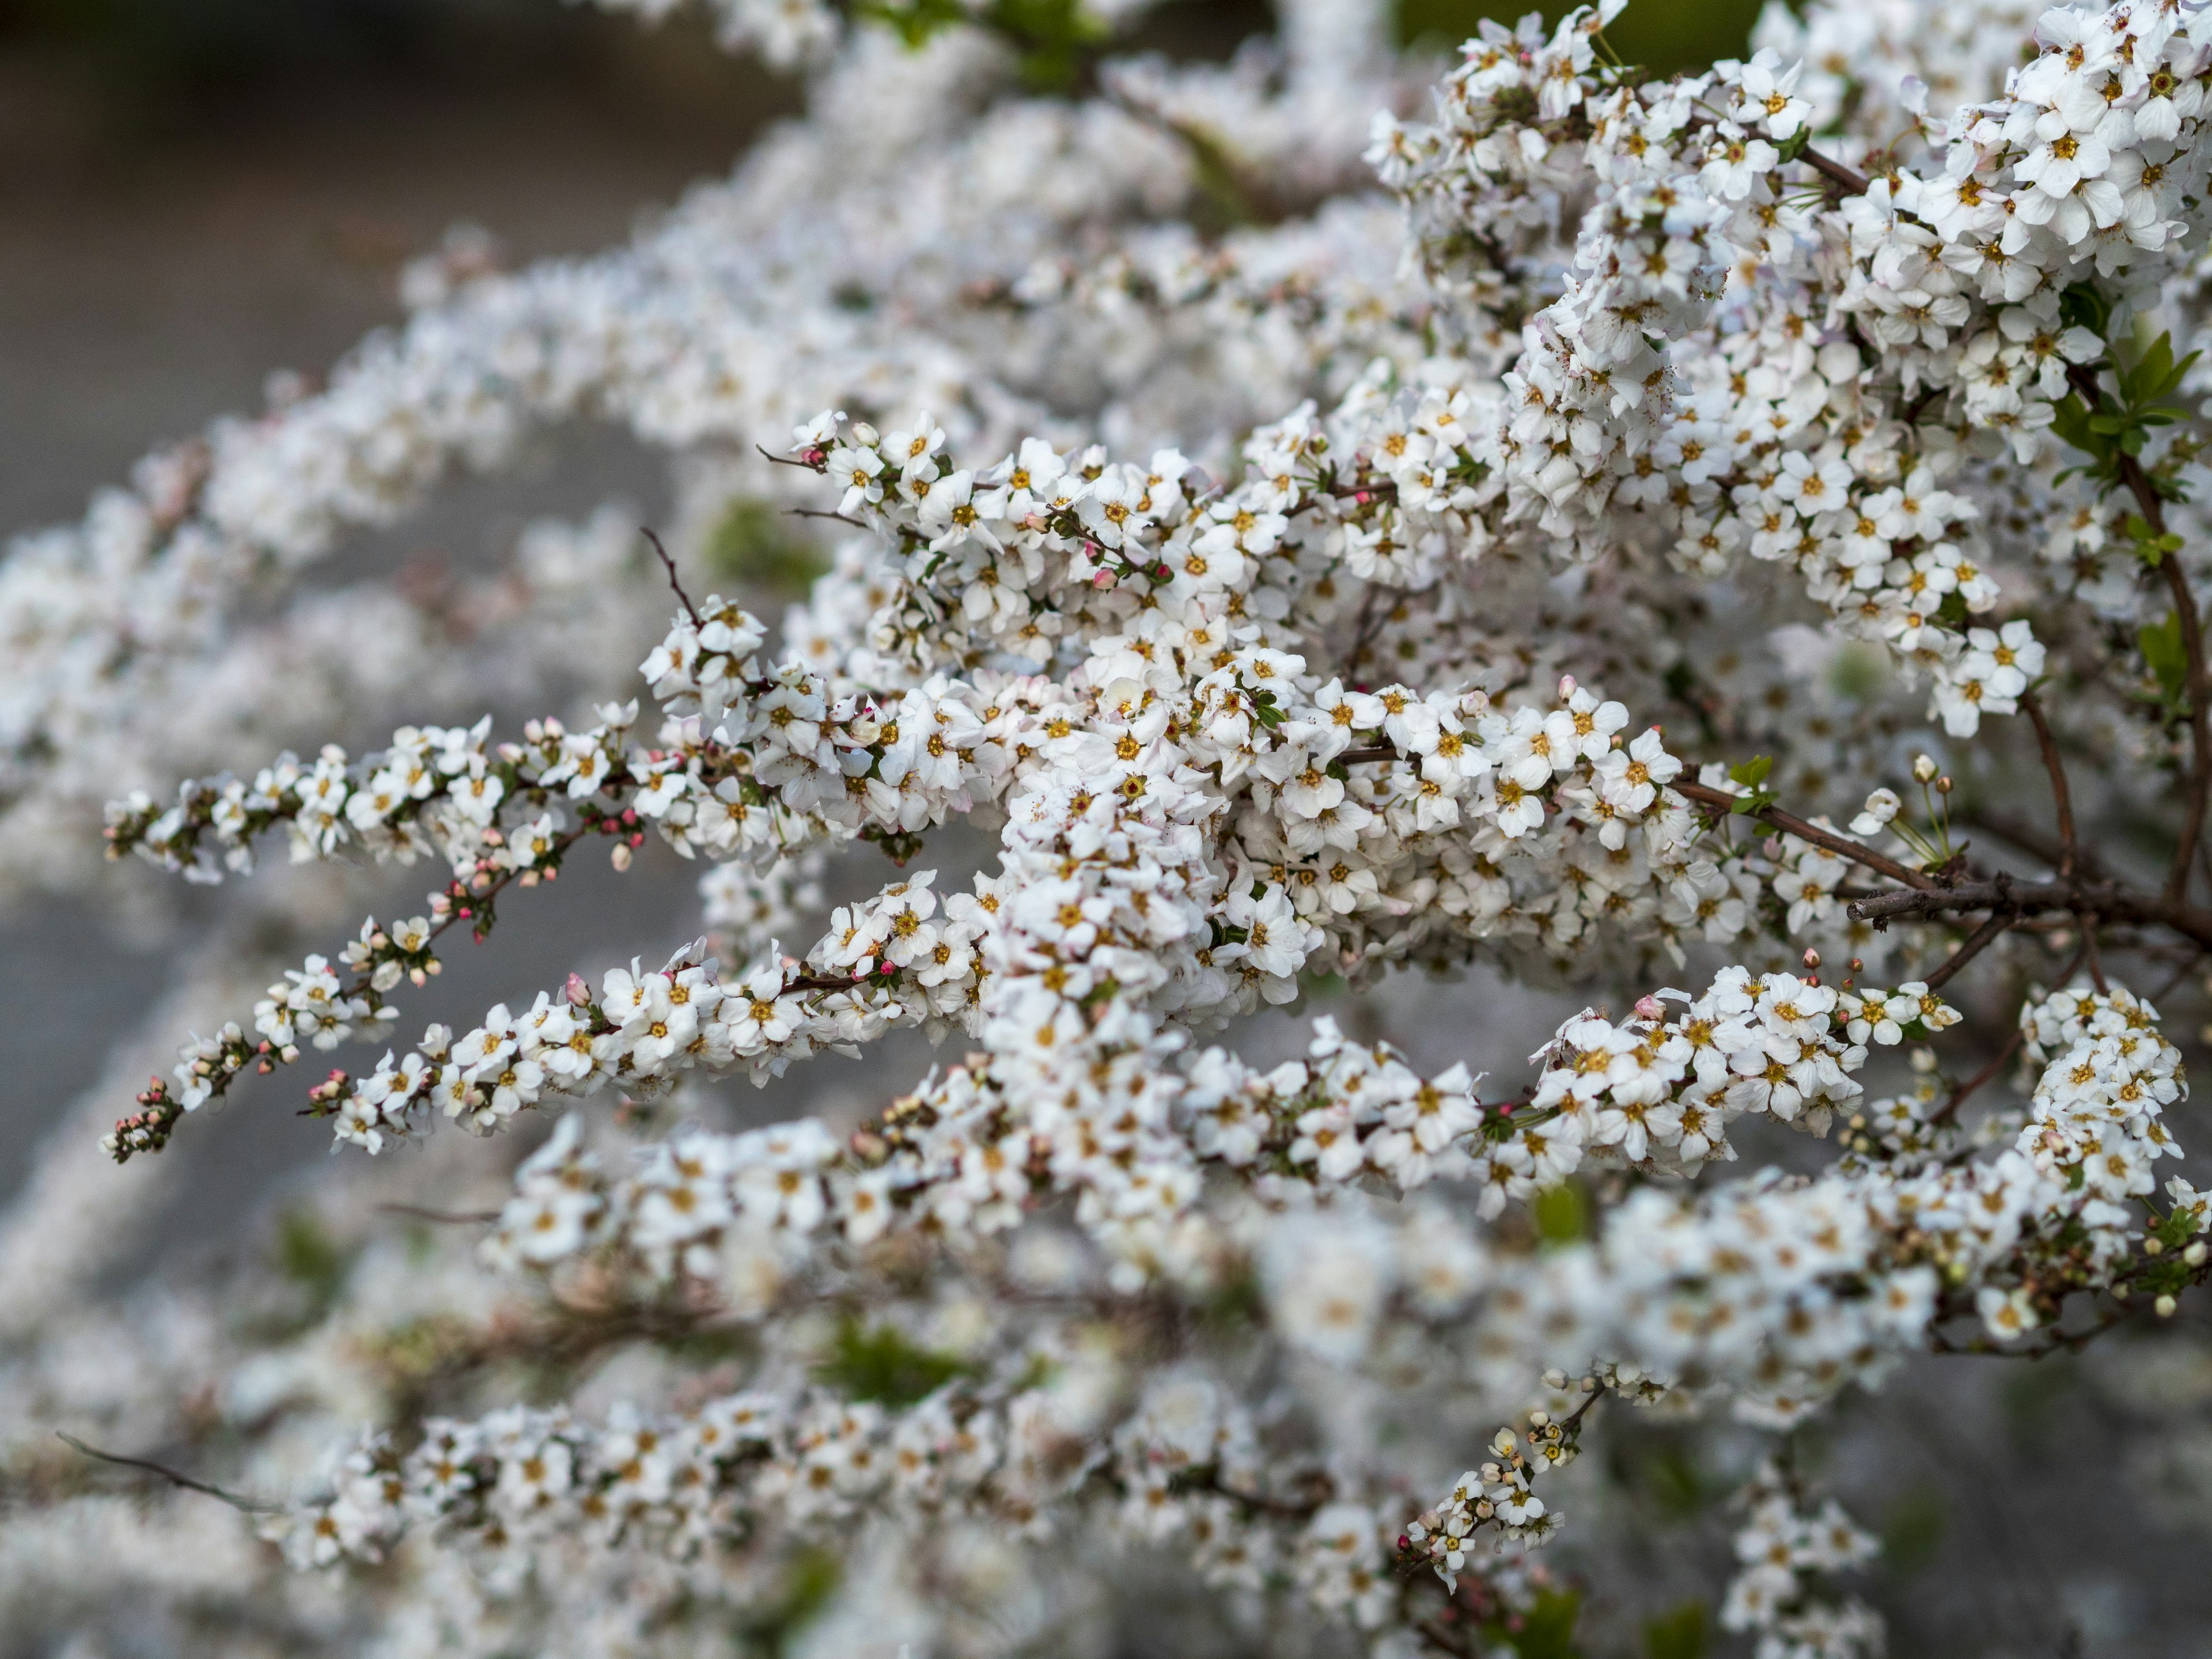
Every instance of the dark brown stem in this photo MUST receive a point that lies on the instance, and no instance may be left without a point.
(669, 564)
(786, 461)
(2107, 902)
(1977, 942)
(2198, 684)
(174, 1477)
(1789, 823)
(2199, 687)
(1958, 1095)
(2062, 798)
(2089, 950)
(1850, 182)
(447, 1218)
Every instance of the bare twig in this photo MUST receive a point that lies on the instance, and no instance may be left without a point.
(2090, 949)
(2062, 798)
(1789, 823)
(175, 1477)
(1851, 183)
(690, 609)
(817, 512)
(786, 461)
(450, 1218)
(1977, 942)
(2108, 902)
(2198, 683)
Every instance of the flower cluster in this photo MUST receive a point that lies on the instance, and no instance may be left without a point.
(1789, 1548)
(1288, 621)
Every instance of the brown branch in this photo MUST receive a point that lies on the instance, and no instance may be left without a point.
(2199, 687)
(2062, 798)
(1790, 824)
(174, 1477)
(1850, 182)
(673, 581)
(1977, 942)
(2089, 950)
(2108, 902)
(449, 1218)
(785, 460)
(2198, 683)
(1959, 1094)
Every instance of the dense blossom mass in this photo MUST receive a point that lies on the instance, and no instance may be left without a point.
(1717, 550)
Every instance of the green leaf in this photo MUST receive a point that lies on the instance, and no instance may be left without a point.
(1751, 773)
(2082, 306)
(880, 1362)
(2163, 655)
(2140, 383)
(1546, 1631)
(1681, 1634)
(2071, 421)
(1561, 1213)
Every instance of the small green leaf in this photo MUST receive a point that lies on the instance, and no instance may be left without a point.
(2082, 306)
(1681, 1634)
(1561, 1213)
(1546, 1630)
(2163, 655)
(880, 1362)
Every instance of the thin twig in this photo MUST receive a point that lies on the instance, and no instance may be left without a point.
(452, 1218)
(1959, 1094)
(673, 581)
(2180, 975)
(2198, 684)
(817, 512)
(251, 1506)
(1852, 184)
(2199, 687)
(2062, 797)
(2089, 950)
(2012, 1047)
(1977, 942)
(1790, 824)
(786, 461)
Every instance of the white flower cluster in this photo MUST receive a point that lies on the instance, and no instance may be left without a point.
(1181, 1464)
(1756, 429)
(1789, 1548)
(786, 33)
(1251, 700)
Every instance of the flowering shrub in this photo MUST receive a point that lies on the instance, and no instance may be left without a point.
(1510, 538)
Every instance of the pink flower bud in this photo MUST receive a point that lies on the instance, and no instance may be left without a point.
(578, 993)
